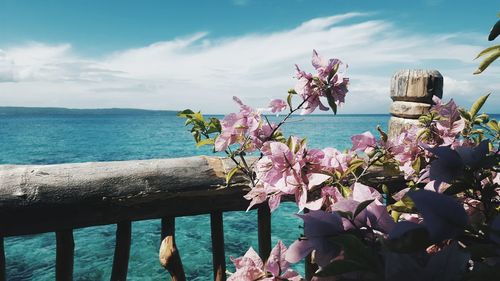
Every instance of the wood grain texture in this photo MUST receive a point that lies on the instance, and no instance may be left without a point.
(169, 254)
(44, 198)
(417, 85)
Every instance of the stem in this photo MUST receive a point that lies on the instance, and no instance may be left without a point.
(292, 111)
(368, 166)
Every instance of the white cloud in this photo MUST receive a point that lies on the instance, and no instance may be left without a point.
(202, 72)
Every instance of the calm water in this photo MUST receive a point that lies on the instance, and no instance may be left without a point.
(62, 138)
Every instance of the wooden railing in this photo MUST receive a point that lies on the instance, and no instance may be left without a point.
(60, 198)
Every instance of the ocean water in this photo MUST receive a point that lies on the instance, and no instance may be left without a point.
(50, 138)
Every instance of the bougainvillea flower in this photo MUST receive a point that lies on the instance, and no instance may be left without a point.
(448, 264)
(318, 227)
(235, 126)
(443, 216)
(250, 267)
(452, 123)
(451, 162)
(328, 82)
(374, 216)
(277, 105)
(363, 142)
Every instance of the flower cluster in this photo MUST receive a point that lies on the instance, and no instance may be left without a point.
(327, 82)
(439, 219)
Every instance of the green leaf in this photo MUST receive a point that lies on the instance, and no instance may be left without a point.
(493, 124)
(495, 31)
(476, 106)
(465, 114)
(332, 103)
(204, 142)
(289, 100)
(185, 113)
(354, 165)
(230, 175)
(383, 135)
(487, 50)
(362, 206)
(487, 61)
(198, 117)
(416, 164)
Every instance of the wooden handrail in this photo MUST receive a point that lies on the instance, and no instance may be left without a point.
(48, 198)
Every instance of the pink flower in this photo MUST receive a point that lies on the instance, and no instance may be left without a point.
(250, 267)
(288, 169)
(365, 142)
(374, 216)
(327, 83)
(335, 160)
(452, 124)
(405, 150)
(245, 128)
(318, 227)
(277, 105)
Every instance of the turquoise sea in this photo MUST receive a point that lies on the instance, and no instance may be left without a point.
(58, 136)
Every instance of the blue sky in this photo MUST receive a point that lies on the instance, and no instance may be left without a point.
(177, 54)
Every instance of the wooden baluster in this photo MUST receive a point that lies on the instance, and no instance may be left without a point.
(2, 261)
(264, 225)
(64, 255)
(122, 251)
(169, 254)
(218, 255)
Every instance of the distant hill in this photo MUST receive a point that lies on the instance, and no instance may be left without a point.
(13, 110)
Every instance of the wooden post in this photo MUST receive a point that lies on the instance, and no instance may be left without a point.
(2, 261)
(412, 91)
(169, 254)
(65, 248)
(122, 251)
(264, 225)
(218, 255)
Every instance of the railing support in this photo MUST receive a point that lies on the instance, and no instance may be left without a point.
(169, 254)
(264, 225)
(122, 251)
(2, 261)
(218, 254)
(64, 255)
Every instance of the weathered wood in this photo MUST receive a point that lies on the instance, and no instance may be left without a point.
(122, 251)
(65, 249)
(218, 254)
(57, 197)
(416, 85)
(3, 275)
(169, 254)
(397, 124)
(264, 226)
(412, 92)
(409, 110)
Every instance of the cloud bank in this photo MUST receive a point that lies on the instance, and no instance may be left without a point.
(202, 72)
